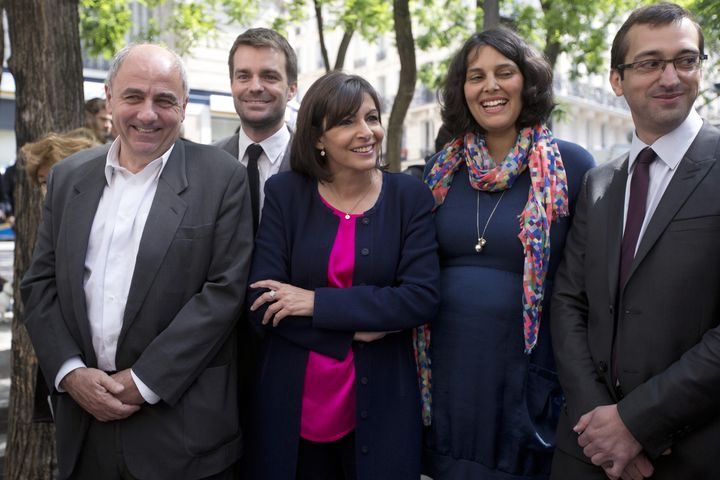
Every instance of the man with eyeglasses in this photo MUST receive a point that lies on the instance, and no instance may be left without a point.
(636, 305)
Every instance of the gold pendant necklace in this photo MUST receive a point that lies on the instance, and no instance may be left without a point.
(481, 237)
(348, 212)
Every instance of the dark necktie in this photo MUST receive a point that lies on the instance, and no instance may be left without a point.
(635, 212)
(633, 223)
(253, 152)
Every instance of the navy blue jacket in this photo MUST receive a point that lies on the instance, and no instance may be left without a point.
(395, 287)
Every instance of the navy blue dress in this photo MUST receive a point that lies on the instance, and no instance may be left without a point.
(495, 409)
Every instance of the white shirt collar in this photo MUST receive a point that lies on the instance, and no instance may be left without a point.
(274, 146)
(670, 148)
(113, 161)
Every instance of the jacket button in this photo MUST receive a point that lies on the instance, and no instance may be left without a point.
(365, 220)
(364, 380)
(365, 251)
(602, 366)
(612, 310)
(363, 414)
(364, 449)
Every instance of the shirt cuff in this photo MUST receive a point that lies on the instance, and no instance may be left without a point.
(148, 395)
(72, 363)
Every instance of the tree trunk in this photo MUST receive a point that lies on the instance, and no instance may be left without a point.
(321, 33)
(491, 13)
(47, 67)
(552, 47)
(551, 52)
(406, 86)
(342, 49)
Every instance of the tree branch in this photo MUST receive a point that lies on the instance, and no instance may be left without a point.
(321, 33)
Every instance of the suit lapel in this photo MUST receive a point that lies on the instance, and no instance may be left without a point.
(232, 146)
(616, 195)
(79, 214)
(285, 164)
(692, 169)
(166, 213)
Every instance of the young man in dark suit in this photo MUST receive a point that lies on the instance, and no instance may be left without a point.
(263, 79)
(636, 310)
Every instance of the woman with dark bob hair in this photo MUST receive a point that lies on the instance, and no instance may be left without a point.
(504, 191)
(345, 266)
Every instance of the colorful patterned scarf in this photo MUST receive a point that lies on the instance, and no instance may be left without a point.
(547, 201)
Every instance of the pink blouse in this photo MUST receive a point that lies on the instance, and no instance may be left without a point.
(328, 402)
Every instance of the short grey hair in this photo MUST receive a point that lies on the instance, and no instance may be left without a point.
(122, 55)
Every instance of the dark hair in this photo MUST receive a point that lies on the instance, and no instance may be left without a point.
(92, 108)
(442, 138)
(655, 15)
(537, 95)
(331, 99)
(94, 105)
(266, 38)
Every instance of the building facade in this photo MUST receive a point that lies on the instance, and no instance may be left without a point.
(588, 112)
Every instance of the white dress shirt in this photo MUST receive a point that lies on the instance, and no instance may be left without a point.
(670, 149)
(110, 258)
(274, 148)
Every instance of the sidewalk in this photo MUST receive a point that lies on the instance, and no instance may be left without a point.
(6, 272)
(5, 355)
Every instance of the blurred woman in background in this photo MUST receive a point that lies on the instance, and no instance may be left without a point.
(41, 155)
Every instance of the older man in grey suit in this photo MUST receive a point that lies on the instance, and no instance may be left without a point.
(137, 282)
(636, 306)
(263, 79)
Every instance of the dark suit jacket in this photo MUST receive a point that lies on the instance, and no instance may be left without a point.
(395, 287)
(230, 145)
(185, 297)
(665, 322)
(248, 338)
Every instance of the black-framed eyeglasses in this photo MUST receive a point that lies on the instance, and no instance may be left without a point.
(684, 63)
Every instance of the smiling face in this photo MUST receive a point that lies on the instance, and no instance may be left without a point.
(493, 91)
(147, 102)
(354, 144)
(260, 90)
(659, 101)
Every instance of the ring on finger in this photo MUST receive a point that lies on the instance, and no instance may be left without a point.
(272, 294)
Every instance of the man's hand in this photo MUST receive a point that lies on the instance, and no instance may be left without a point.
(95, 391)
(606, 440)
(638, 468)
(130, 394)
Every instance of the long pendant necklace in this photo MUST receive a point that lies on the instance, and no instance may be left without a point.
(481, 237)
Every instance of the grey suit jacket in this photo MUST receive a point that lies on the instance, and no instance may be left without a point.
(230, 145)
(178, 328)
(665, 322)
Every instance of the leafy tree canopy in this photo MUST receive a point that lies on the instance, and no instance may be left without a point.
(106, 25)
(578, 29)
